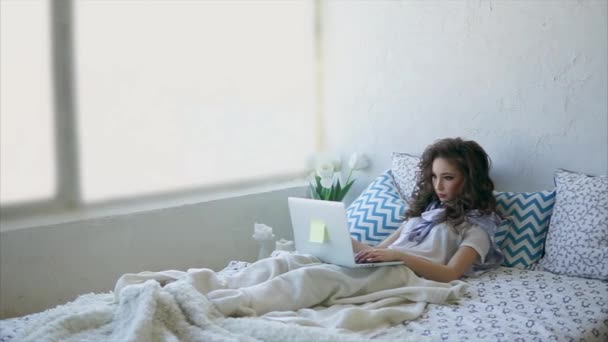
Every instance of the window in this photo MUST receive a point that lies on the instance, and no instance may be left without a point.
(27, 165)
(167, 96)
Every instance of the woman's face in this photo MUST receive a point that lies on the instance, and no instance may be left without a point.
(447, 180)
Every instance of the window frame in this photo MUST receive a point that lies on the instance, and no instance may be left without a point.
(67, 196)
(64, 120)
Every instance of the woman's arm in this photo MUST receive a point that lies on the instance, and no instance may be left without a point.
(358, 246)
(456, 267)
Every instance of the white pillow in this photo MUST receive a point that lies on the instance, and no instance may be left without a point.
(577, 240)
(404, 167)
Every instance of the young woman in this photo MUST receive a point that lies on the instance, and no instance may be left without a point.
(448, 230)
(450, 224)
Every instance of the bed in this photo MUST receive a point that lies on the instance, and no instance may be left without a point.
(507, 304)
(552, 285)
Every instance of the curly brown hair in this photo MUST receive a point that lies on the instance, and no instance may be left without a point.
(474, 164)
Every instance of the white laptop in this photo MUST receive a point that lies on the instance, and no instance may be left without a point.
(320, 228)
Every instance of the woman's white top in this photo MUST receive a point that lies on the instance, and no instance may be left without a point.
(443, 241)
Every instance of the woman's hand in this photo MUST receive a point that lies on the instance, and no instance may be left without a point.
(358, 246)
(378, 255)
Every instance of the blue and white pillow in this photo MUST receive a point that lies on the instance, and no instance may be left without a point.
(502, 231)
(529, 214)
(377, 212)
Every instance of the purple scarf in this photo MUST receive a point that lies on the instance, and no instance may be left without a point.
(434, 214)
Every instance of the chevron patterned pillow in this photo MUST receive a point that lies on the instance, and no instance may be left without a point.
(529, 214)
(377, 212)
(501, 232)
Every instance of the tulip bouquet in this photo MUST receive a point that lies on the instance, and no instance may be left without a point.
(326, 182)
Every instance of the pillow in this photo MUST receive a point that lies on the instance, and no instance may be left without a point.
(404, 167)
(502, 231)
(577, 241)
(528, 215)
(377, 212)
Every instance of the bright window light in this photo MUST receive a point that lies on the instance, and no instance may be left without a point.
(27, 164)
(182, 94)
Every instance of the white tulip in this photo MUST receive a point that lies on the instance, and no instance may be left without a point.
(324, 157)
(327, 182)
(337, 164)
(311, 176)
(358, 161)
(353, 160)
(325, 170)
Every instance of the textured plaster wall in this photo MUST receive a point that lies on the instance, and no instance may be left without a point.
(526, 79)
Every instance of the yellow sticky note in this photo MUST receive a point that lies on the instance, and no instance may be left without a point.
(318, 231)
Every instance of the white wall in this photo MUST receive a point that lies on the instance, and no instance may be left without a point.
(526, 79)
(49, 265)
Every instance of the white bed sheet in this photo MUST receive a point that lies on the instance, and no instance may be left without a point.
(510, 304)
(506, 304)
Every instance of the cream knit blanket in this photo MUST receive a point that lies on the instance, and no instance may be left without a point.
(194, 305)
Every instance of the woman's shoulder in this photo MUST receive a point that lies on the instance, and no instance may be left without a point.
(471, 228)
(479, 227)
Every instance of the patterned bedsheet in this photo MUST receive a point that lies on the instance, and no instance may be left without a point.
(510, 304)
(506, 304)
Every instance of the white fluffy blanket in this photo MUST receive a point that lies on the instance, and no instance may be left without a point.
(182, 310)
